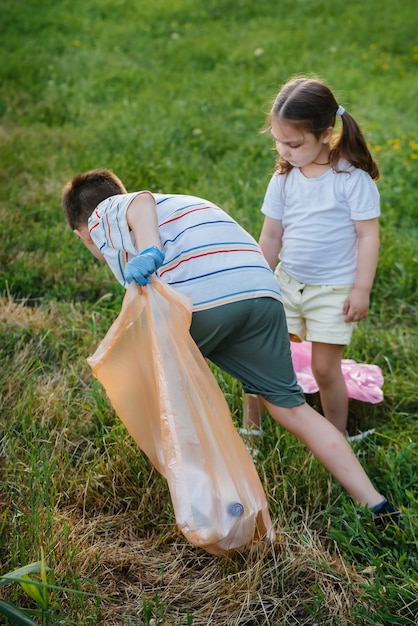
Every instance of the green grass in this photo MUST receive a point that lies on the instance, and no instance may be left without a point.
(172, 95)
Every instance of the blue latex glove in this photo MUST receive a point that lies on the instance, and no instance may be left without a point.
(145, 263)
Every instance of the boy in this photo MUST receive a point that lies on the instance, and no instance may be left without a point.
(238, 320)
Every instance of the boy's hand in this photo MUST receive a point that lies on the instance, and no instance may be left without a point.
(145, 263)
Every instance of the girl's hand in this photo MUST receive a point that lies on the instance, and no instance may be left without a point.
(356, 306)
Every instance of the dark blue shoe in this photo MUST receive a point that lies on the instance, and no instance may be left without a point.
(386, 515)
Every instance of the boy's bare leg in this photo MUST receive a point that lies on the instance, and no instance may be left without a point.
(253, 411)
(326, 368)
(330, 447)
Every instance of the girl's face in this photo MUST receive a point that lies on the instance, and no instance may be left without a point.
(298, 147)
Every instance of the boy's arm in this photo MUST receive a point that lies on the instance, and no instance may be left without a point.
(270, 240)
(357, 304)
(142, 219)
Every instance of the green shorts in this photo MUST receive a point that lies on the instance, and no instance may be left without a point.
(249, 340)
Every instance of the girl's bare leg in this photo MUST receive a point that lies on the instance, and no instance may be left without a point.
(326, 368)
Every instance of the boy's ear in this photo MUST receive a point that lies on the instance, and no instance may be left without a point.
(83, 234)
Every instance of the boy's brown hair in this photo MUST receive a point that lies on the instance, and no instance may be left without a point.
(85, 191)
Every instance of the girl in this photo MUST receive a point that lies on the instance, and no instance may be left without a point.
(321, 219)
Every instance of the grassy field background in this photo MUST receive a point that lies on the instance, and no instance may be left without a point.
(171, 95)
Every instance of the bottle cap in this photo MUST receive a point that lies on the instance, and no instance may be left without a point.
(235, 509)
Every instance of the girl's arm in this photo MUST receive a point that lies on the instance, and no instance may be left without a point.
(357, 304)
(142, 220)
(270, 240)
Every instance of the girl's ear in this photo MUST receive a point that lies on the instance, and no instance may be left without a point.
(327, 134)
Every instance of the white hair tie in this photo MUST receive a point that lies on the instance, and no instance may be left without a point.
(340, 111)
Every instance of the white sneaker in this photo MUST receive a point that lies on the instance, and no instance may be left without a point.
(360, 436)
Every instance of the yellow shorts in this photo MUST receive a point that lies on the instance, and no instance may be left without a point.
(315, 312)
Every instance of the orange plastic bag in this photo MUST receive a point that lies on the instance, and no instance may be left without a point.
(164, 392)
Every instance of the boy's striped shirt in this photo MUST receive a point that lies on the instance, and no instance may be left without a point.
(208, 256)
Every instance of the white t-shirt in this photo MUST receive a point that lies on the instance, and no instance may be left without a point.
(208, 256)
(319, 243)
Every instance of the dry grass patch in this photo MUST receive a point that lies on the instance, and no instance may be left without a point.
(268, 585)
(19, 314)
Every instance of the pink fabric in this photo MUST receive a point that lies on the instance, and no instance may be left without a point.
(364, 382)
